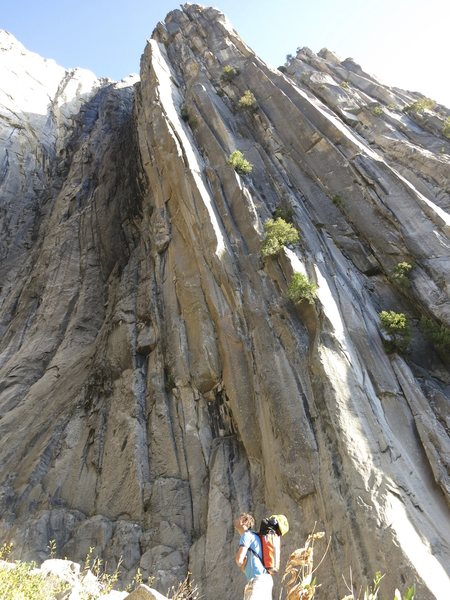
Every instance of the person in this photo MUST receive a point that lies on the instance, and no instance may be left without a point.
(249, 559)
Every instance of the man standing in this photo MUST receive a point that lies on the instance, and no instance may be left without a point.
(249, 560)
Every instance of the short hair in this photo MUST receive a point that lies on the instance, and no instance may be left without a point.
(247, 520)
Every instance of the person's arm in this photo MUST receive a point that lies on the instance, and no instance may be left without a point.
(241, 557)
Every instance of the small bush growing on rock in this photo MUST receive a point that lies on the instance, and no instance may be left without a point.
(187, 117)
(169, 380)
(229, 73)
(278, 234)
(396, 326)
(184, 113)
(338, 201)
(344, 85)
(282, 68)
(419, 106)
(19, 580)
(283, 212)
(248, 101)
(438, 334)
(446, 128)
(289, 59)
(239, 163)
(5, 551)
(377, 110)
(300, 288)
(401, 271)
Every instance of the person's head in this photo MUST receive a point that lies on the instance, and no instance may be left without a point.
(244, 522)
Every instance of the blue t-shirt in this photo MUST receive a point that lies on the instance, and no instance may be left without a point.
(254, 565)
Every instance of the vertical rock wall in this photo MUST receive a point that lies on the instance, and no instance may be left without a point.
(156, 380)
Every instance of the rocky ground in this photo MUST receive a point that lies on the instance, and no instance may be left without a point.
(58, 579)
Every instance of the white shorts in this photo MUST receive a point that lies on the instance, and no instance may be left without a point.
(259, 588)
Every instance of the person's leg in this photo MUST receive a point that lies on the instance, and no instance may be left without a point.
(248, 591)
(259, 588)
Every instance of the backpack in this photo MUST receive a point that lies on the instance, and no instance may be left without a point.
(270, 532)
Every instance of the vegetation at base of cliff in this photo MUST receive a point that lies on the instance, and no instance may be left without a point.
(95, 564)
(247, 102)
(278, 234)
(371, 591)
(24, 581)
(186, 590)
(300, 288)
(229, 73)
(419, 106)
(240, 164)
(20, 581)
(299, 582)
(396, 326)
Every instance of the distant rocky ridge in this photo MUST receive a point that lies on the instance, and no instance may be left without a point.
(154, 378)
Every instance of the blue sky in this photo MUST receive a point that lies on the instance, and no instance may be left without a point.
(403, 42)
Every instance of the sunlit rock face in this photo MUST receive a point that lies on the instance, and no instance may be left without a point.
(155, 378)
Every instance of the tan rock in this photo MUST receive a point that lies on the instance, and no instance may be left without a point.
(143, 592)
(154, 378)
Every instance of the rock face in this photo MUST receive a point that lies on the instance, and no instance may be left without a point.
(155, 379)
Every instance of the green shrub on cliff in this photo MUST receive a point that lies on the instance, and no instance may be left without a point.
(438, 334)
(284, 212)
(396, 326)
(248, 102)
(187, 116)
(278, 234)
(229, 73)
(401, 272)
(377, 110)
(446, 128)
(239, 163)
(300, 288)
(419, 106)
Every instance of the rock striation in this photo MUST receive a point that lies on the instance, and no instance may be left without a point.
(155, 379)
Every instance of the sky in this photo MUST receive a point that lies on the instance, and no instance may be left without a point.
(404, 43)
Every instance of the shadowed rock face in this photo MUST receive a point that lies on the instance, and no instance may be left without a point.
(155, 379)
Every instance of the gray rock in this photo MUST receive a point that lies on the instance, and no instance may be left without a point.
(155, 380)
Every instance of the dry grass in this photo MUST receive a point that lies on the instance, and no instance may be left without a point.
(299, 583)
(298, 580)
(186, 590)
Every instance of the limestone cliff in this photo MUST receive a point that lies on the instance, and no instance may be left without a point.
(155, 378)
